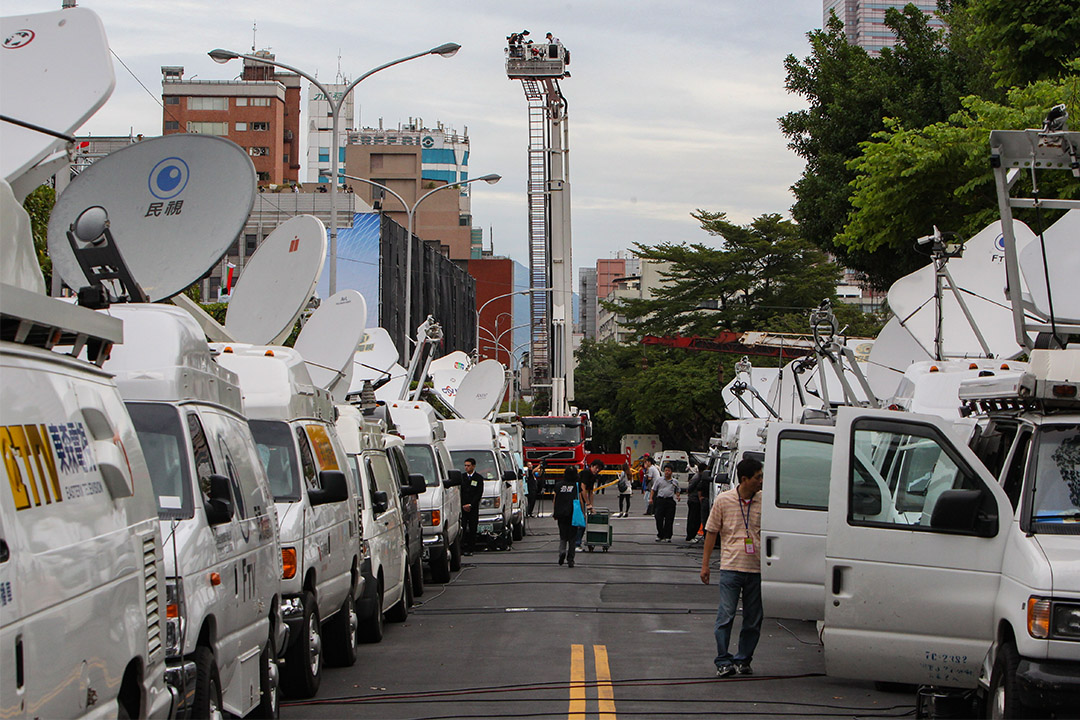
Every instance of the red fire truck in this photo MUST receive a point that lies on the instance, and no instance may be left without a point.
(554, 443)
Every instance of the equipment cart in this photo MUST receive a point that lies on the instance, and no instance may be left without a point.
(598, 529)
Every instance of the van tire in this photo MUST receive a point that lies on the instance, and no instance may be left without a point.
(455, 554)
(440, 566)
(400, 611)
(207, 685)
(304, 660)
(418, 577)
(1003, 700)
(269, 707)
(371, 628)
(341, 635)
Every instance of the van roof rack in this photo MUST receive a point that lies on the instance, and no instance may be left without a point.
(28, 318)
(1052, 381)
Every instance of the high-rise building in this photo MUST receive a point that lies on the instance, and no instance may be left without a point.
(587, 303)
(260, 112)
(320, 129)
(864, 20)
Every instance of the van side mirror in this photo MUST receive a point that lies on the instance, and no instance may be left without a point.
(956, 510)
(416, 485)
(865, 500)
(453, 479)
(379, 502)
(509, 476)
(334, 488)
(218, 506)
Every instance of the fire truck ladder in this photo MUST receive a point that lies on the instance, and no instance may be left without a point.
(539, 275)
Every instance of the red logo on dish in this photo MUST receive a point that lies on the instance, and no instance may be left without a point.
(295, 244)
(18, 39)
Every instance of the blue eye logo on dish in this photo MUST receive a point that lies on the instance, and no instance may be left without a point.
(999, 244)
(168, 178)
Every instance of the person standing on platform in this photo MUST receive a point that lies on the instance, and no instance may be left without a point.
(664, 494)
(472, 491)
(735, 519)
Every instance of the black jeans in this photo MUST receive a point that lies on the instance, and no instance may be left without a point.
(624, 503)
(693, 519)
(567, 537)
(665, 516)
(469, 520)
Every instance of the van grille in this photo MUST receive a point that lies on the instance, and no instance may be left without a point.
(153, 598)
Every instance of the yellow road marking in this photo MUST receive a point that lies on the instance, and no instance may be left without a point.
(605, 692)
(577, 683)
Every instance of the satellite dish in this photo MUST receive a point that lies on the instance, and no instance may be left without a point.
(481, 390)
(762, 379)
(20, 267)
(277, 282)
(446, 374)
(894, 351)
(173, 206)
(329, 338)
(391, 391)
(1063, 267)
(56, 72)
(375, 354)
(980, 275)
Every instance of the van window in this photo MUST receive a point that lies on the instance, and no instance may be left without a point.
(161, 435)
(307, 461)
(803, 470)
(381, 474)
(1056, 471)
(485, 462)
(204, 461)
(1014, 478)
(234, 478)
(324, 449)
(398, 464)
(421, 460)
(278, 455)
(248, 485)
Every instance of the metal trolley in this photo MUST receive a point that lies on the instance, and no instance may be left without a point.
(598, 529)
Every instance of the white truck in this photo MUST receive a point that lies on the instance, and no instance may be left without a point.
(82, 587)
(292, 420)
(638, 445)
(478, 439)
(220, 531)
(440, 503)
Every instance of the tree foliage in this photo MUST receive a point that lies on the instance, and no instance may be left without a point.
(38, 205)
(757, 271)
(1025, 41)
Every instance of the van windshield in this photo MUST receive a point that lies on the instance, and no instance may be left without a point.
(161, 435)
(485, 462)
(421, 460)
(278, 454)
(678, 466)
(1055, 505)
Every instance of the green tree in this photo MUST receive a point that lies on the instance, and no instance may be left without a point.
(1026, 41)
(757, 271)
(38, 205)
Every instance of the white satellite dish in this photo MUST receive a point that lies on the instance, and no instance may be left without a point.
(391, 391)
(762, 379)
(173, 206)
(980, 274)
(1063, 267)
(894, 351)
(375, 354)
(480, 391)
(277, 282)
(55, 73)
(446, 374)
(329, 338)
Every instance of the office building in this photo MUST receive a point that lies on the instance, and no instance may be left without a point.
(320, 129)
(587, 305)
(864, 20)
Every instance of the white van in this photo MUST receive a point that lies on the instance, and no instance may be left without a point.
(679, 461)
(220, 531)
(511, 460)
(410, 509)
(292, 422)
(478, 439)
(981, 540)
(82, 592)
(440, 504)
(388, 585)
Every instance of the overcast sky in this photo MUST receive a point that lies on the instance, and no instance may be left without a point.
(672, 104)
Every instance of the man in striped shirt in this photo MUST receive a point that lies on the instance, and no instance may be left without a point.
(736, 519)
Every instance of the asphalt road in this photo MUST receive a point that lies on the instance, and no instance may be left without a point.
(626, 633)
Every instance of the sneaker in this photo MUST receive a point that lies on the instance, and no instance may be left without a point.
(744, 668)
(659, 539)
(570, 562)
(562, 558)
(725, 671)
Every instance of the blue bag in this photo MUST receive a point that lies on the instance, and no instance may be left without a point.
(579, 516)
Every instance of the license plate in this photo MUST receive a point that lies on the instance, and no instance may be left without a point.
(484, 527)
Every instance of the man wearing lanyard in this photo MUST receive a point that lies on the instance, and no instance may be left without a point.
(736, 518)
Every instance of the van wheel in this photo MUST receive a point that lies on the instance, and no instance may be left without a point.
(455, 554)
(418, 577)
(269, 707)
(440, 566)
(303, 661)
(1003, 701)
(207, 701)
(400, 611)
(341, 635)
(519, 530)
(371, 629)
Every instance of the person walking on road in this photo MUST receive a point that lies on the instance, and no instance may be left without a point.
(665, 493)
(735, 519)
(567, 490)
(649, 477)
(693, 505)
(626, 489)
(472, 491)
(532, 489)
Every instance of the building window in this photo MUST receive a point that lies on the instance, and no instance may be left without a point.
(172, 125)
(234, 249)
(241, 127)
(250, 243)
(240, 102)
(324, 154)
(258, 151)
(260, 126)
(260, 102)
(208, 128)
(264, 177)
(172, 100)
(285, 157)
(208, 103)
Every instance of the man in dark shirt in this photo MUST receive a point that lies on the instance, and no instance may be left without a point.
(588, 479)
(472, 491)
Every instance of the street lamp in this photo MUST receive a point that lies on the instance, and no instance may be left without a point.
(224, 56)
(410, 211)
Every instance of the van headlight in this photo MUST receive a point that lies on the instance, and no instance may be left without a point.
(430, 518)
(174, 617)
(489, 502)
(1065, 621)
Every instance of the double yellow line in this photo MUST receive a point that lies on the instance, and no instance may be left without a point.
(605, 693)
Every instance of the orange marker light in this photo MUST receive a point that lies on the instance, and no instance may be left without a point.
(215, 579)
(288, 563)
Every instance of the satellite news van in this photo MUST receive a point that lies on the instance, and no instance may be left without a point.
(440, 503)
(82, 591)
(292, 422)
(511, 459)
(220, 531)
(478, 439)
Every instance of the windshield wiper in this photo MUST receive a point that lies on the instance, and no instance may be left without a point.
(1073, 516)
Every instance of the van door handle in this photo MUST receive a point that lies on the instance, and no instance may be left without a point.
(837, 579)
(769, 546)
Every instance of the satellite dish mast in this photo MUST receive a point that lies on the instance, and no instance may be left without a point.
(481, 390)
(329, 339)
(277, 282)
(170, 207)
(56, 73)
